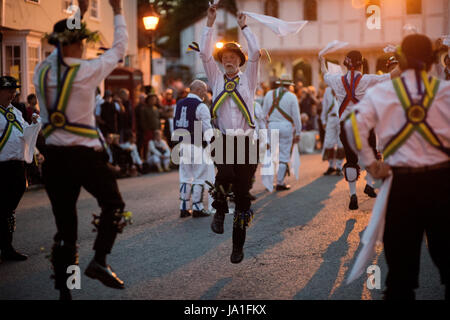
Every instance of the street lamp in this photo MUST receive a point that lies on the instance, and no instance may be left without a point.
(151, 21)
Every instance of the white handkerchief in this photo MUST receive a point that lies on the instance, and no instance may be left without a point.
(446, 40)
(390, 48)
(295, 161)
(279, 27)
(333, 46)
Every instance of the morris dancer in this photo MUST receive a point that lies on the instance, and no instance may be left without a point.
(233, 115)
(283, 114)
(349, 89)
(74, 155)
(411, 117)
(17, 142)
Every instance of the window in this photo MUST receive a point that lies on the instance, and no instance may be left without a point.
(12, 61)
(95, 9)
(271, 8)
(413, 6)
(310, 10)
(33, 60)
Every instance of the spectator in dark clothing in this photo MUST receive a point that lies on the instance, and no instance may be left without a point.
(149, 120)
(168, 104)
(126, 114)
(109, 115)
(138, 127)
(21, 106)
(32, 107)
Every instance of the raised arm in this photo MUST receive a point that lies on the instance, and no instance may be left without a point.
(207, 46)
(253, 51)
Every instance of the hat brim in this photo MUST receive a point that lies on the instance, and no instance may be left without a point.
(237, 51)
(285, 82)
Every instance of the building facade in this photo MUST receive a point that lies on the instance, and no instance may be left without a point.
(23, 24)
(344, 20)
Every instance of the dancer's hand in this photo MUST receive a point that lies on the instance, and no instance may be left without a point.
(83, 5)
(379, 170)
(116, 6)
(296, 139)
(211, 17)
(241, 19)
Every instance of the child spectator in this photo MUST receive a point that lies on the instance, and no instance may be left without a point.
(159, 152)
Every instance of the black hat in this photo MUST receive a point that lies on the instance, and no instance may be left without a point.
(7, 82)
(418, 51)
(64, 35)
(234, 47)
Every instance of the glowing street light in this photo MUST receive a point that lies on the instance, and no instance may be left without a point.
(151, 21)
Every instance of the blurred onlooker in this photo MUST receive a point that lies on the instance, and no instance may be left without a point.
(308, 136)
(126, 114)
(149, 120)
(168, 104)
(98, 102)
(32, 107)
(20, 105)
(121, 157)
(138, 127)
(130, 145)
(183, 94)
(108, 119)
(159, 152)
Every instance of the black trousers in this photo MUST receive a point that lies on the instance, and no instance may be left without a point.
(65, 171)
(234, 172)
(350, 156)
(418, 203)
(12, 188)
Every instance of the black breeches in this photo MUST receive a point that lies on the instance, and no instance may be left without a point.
(65, 171)
(418, 203)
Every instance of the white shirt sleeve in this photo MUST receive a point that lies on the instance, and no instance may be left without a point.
(206, 54)
(252, 68)
(295, 109)
(202, 113)
(100, 68)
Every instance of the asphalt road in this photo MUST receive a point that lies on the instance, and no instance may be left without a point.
(301, 245)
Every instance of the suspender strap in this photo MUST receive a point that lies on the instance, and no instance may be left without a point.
(11, 121)
(350, 91)
(416, 114)
(57, 114)
(277, 96)
(230, 90)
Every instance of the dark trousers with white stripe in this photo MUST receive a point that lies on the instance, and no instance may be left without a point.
(12, 188)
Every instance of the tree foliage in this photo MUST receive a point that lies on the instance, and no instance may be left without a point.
(178, 14)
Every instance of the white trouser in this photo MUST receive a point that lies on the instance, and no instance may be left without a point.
(286, 136)
(332, 131)
(193, 173)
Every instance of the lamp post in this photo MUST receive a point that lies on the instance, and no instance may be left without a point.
(151, 21)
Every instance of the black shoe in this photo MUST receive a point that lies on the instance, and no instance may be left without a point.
(217, 223)
(184, 213)
(329, 171)
(339, 172)
(13, 255)
(370, 191)
(237, 256)
(200, 213)
(104, 274)
(353, 202)
(282, 187)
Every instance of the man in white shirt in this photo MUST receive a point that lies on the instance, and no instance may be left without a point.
(333, 150)
(193, 169)
(283, 113)
(350, 89)
(411, 118)
(75, 155)
(15, 133)
(233, 114)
